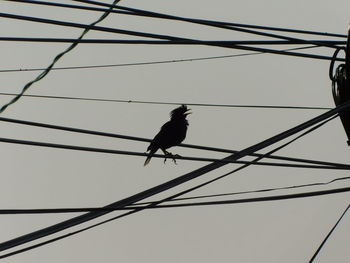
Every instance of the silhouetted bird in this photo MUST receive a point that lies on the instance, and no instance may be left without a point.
(171, 134)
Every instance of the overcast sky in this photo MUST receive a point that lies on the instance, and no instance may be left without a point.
(287, 231)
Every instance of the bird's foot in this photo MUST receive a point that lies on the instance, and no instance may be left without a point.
(172, 156)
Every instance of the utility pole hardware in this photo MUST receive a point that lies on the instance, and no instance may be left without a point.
(341, 86)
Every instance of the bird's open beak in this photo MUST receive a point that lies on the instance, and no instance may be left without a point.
(188, 112)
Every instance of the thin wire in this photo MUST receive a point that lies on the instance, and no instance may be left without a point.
(328, 235)
(253, 191)
(150, 62)
(161, 188)
(133, 138)
(136, 12)
(89, 209)
(167, 103)
(167, 37)
(245, 165)
(175, 157)
(56, 59)
(226, 202)
(203, 22)
(254, 199)
(164, 42)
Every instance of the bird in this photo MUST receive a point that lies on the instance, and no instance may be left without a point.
(172, 133)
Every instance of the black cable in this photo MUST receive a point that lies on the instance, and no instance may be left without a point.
(137, 12)
(133, 138)
(254, 191)
(226, 202)
(164, 186)
(203, 22)
(165, 37)
(255, 199)
(150, 62)
(328, 235)
(168, 103)
(88, 209)
(243, 166)
(175, 157)
(165, 42)
(57, 58)
(331, 66)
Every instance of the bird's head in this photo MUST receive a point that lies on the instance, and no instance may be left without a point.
(180, 112)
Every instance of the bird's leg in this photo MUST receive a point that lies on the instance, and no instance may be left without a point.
(169, 154)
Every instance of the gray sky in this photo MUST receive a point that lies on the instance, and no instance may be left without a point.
(280, 231)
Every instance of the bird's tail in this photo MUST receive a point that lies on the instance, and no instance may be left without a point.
(148, 159)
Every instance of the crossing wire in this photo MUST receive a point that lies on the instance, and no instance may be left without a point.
(133, 138)
(150, 62)
(138, 12)
(224, 202)
(168, 103)
(203, 22)
(174, 158)
(167, 185)
(88, 209)
(81, 1)
(135, 33)
(328, 235)
(168, 37)
(56, 59)
(163, 42)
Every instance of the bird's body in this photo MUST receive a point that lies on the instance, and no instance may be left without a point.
(171, 134)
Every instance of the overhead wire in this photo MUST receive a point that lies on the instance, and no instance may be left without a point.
(165, 186)
(163, 42)
(91, 1)
(135, 33)
(175, 157)
(18, 211)
(203, 22)
(328, 235)
(165, 37)
(317, 125)
(253, 199)
(134, 138)
(254, 191)
(167, 103)
(137, 12)
(56, 59)
(147, 63)
(197, 204)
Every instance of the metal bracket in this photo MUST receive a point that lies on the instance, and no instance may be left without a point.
(341, 87)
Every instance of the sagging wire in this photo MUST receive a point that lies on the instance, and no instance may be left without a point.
(157, 189)
(328, 235)
(89, 209)
(56, 59)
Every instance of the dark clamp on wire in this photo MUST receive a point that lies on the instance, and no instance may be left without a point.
(341, 91)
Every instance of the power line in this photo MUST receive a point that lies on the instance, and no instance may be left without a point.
(164, 186)
(175, 157)
(168, 103)
(56, 59)
(165, 37)
(89, 209)
(133, 138)
(224, 202)
(202, 22)
(255, 199)
(146, 63)
(328, 235)
(246, 165)
(165, 42)
(137, 12)
(255, 191)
